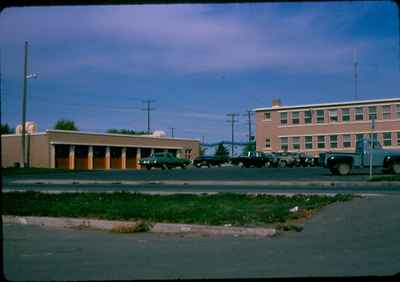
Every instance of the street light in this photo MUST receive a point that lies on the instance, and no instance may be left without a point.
(24, 94)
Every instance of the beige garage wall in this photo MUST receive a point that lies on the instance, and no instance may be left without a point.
(11, 150)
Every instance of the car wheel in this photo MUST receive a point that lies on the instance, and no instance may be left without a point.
(164, 166)
(396, 168)
(183, 166)
(208, 165)
(148, 167)
(268, 164)
(197, 165)
(344, 169)
(240, 164)
(282, 164)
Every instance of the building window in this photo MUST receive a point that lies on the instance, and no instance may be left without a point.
(359, 113)
(371, 112)
(333, 141)
(386, 112)
(308, 142)
(347, 141)
(398, 111)
(284, 118)
(295, 117)
(387, 139)
(296, 143)
(188, 154)
(346, 115)
(267, 142)
(267, 116)
(284, 143)
(320, 116)
(333, 116)
(307, 117)
(321, 142)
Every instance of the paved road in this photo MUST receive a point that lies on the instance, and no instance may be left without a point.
(223, 173)
(352, 238)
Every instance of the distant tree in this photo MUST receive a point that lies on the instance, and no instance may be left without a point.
(126, 131)
(222, 152)
(250, 147)
(65, 124)
(6, 129)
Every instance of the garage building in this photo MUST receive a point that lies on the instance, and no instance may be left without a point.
(88, 150)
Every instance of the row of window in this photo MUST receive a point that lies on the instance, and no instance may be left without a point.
(333, 140)
(333, 115)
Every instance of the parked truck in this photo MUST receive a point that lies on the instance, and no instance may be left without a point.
(343, 163)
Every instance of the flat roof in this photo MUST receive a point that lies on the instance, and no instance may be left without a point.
(119, 135)
(329, 104)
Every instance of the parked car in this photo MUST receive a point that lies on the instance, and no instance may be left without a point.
(254, 159)
(286, 159)
(164, 160)
(343, 163)
(208, 161)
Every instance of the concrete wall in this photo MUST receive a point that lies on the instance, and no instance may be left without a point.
(11, 150)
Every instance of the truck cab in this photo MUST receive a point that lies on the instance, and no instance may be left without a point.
(343, 163)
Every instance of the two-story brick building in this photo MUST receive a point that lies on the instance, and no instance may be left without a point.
(327, 127)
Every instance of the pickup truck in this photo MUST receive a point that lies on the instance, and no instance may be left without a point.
(342, 163)
(163, 160)
(255, 159)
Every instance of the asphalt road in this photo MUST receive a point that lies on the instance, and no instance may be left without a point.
(354, 238)
(223, 173)
(215, 173)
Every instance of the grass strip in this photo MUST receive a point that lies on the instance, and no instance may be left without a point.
(217, 209)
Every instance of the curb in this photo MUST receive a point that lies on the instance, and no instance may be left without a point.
(338, 184)
(160, 192)
(165, 228)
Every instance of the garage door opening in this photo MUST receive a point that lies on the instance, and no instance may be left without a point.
(81, 157)
(99, 157)
(115, 158)
(62, 156)
(131, 160)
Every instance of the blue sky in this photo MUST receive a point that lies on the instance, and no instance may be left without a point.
(198, 62)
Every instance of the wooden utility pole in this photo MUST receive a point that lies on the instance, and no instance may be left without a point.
(23, 143)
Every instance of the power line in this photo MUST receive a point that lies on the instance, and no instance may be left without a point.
(232, 121)
(148, 109)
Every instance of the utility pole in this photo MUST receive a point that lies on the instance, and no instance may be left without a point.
(148, 109)
(355, 76)
(172, 131)
(23, 162)
(249, 113)
(232, 121)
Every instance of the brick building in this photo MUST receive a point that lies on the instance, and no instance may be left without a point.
(327, 127)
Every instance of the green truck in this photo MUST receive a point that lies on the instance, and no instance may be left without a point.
(343, 163)
(164, 160)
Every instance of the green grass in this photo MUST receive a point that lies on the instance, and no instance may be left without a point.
(224, 208)
(385, 178)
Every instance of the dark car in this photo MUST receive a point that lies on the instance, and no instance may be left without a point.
(254, 159)
(208, 161)
(163, 160)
